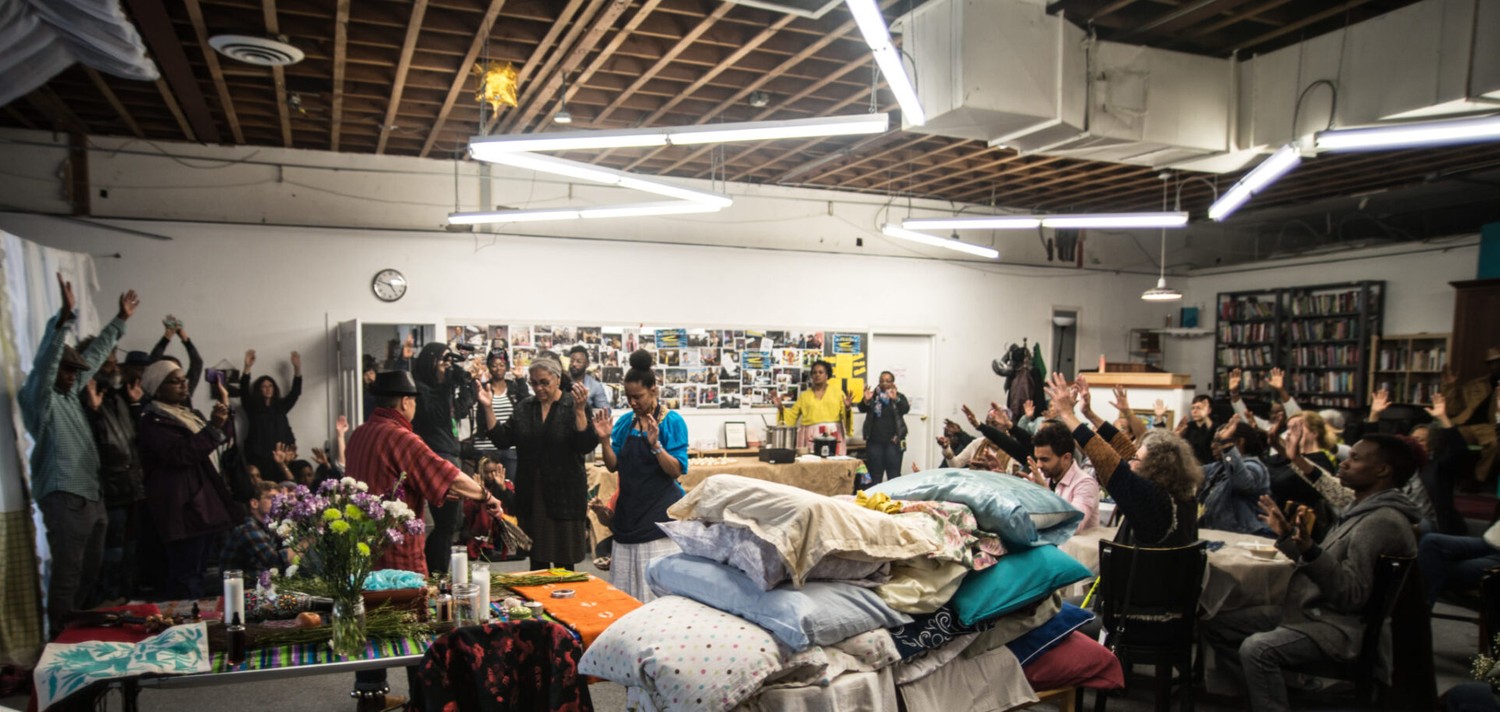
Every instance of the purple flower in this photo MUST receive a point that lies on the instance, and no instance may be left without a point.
(395, 536)
(415, 526)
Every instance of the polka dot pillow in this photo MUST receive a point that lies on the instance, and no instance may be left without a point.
(686, 655)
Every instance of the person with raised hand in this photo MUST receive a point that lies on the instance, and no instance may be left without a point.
(65, 461)
(885, 410)
(1235, 481)
(174, 327)
(648, 447)
(266, 413)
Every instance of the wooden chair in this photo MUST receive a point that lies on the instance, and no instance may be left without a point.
(1148, 600)
(1391, 573)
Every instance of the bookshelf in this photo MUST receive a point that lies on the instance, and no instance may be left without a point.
(1320, 335)
(1410, 366)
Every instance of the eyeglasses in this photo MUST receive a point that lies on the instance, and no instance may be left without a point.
(536, 382)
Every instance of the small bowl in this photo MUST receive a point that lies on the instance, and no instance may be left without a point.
(1259, 551)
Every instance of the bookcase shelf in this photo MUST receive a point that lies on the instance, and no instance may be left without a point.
(1320, 335)
(1410, 366)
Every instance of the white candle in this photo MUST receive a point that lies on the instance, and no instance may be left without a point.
(234, 595)
(481, 578)
(458, 565)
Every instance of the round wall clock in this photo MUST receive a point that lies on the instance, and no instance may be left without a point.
(388, 285)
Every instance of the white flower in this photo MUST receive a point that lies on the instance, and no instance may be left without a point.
(284, 530)
(291, 571)
(347, 482)
(361, 487)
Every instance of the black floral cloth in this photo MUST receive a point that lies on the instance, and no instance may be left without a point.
(504, 667)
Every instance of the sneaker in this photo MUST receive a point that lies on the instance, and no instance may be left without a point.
(386, 703)
(602, 563)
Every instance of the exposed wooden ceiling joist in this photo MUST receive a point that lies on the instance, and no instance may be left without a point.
(340, 48)
(403, 66)
(156, 28)
(461, 74)
(211, 60)
(114, 101)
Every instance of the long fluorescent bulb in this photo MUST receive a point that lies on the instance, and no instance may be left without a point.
(1116, 220)
(489, 148)
(899, 233)
(1425, 133)
(975, 222)
(877, 34)
(673, 207)
(1279, 164)
(609, 176)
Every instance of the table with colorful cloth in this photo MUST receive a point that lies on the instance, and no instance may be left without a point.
(1236, 578)
(128, 658)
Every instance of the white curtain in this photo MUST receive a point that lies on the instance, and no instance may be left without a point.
(43, 37)
(28, 298)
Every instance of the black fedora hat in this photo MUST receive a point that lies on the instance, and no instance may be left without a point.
(393, 383)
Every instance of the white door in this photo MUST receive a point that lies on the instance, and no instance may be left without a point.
(909, 358)
(348, 392)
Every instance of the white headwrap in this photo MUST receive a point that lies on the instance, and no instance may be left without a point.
(156, 373)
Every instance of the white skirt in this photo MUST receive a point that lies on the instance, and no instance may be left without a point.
(628, 562)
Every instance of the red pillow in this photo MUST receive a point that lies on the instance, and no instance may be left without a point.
(1077, 661)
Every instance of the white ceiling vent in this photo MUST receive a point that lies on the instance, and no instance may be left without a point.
(261, 51)
(804, 8)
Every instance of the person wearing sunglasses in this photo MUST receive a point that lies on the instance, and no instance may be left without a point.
(551, 432)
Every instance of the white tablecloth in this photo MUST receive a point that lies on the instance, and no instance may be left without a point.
(1236, 579)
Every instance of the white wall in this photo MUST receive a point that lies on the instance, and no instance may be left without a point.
(274, 288)
(1418, 297)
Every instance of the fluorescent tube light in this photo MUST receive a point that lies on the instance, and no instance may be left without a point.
(1425, 133)
(1115, 220)
(490, 148)
(877, 34)
(975, 222)
(609, 176)
(674, 191)
(899, 233)
(1279, 164)
(673, 207)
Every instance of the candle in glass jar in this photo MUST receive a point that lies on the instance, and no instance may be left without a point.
(234, 595)
(458, 565)
(480, 576)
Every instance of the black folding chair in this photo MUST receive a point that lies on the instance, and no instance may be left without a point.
(1148, 601)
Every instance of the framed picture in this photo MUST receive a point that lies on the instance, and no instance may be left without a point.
(734, 436)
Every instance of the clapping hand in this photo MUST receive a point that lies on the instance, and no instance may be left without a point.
(651, 427)
(602, 424)
(580, 397)
(1300, 531)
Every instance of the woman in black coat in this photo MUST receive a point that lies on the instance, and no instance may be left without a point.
(551, 433)
(266, 415)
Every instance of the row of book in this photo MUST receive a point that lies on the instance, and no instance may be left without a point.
(1322, 329)
(1347, 355)
(1250, 381)
(1315, 304)
(1401, 358)
(1251, 309)
(1402, 391)
(1245, 333)
(1329, 382)
(1260, 356)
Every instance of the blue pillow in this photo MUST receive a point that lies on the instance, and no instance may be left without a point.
(1017, 580)
(1022, 513)
(1047, 635)
(819, 613)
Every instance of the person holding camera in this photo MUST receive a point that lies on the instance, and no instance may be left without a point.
(266, 413)
(445, 395)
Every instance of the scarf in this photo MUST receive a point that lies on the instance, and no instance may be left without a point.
(187, 417)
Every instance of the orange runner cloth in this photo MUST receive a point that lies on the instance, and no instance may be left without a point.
(595, 605)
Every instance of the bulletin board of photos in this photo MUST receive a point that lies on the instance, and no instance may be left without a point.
(699, 368)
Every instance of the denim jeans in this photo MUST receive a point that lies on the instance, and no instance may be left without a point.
(1454, 562)
(1249, 644)
(883, 461)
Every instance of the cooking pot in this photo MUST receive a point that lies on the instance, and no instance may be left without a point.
(781, 437)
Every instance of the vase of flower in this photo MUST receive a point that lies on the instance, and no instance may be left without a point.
(349, 637)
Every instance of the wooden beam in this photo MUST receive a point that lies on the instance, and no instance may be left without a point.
(109, 95)
(278, 74)
(461, 76)
(63, 120)
(666, 58)
(1110, 9)
(1299, 24)
(545, 45)
(809, 143)
(580, 48)
(171, 102)
(974, 151)
(19, 117)
(340, 50)
(156, 27)
(1240, 17)
(413, 28)
(78, 171)
(1183, 14)
(211, 58)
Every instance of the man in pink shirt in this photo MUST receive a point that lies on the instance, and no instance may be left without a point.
(1053, 467)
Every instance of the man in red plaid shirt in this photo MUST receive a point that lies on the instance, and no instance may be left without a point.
(379, 452)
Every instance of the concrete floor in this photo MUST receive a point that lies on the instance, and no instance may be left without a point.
(1454, 645)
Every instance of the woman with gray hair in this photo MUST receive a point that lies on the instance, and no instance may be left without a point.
(551, 432)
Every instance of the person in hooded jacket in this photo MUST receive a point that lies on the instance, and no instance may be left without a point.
(1320, 619)
(445, 396)
(266, 412)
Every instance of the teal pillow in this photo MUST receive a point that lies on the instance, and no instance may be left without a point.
(1021, 513)
(1016, 581)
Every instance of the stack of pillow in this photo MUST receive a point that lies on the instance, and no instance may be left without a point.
(783, 597)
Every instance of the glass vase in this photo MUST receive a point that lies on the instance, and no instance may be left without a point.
(349, 637)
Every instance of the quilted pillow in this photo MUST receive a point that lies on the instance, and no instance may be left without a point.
(1017, 580)
(685, 655)
(1048, 635)
(1022, 513)
(758, 559)
(803, 526)
(1077, 661)
(819, 613)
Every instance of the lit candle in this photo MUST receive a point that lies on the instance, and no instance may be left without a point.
(481, 578)
(234, 595)
(458, 565)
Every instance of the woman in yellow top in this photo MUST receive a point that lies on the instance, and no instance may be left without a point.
(821, 411)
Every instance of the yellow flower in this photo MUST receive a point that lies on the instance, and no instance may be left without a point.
(331, 514)
(364, 549)
(339, 527)
(352, 512)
